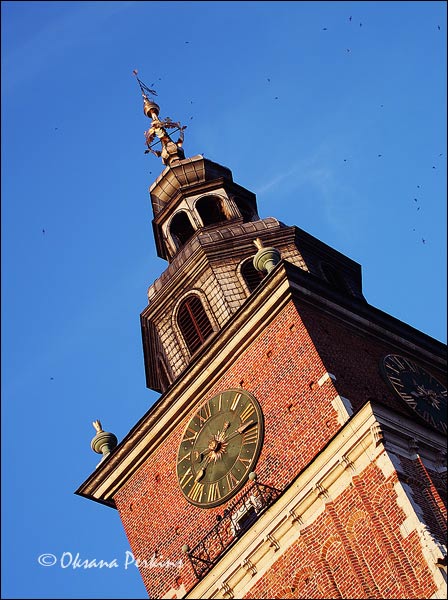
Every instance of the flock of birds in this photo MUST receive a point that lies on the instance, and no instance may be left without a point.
(416, 200)
(350, 18)
(382, 106)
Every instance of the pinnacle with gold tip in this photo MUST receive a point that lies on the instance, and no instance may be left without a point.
(171, 151)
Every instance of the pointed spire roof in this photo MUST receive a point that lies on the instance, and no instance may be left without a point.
(157, 138)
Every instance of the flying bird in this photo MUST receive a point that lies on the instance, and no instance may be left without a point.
(380, 155)
(348, 49)
(52, 378)
(43, 230)
(276, 98)
(350, 19)
(415, 200)
(433, 167)
(438, 27)
(324, 29)
(418, 186)
(424, 241)
(269, 79)
(187, 42)
(360, 24)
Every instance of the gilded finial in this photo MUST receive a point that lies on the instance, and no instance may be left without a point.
(171, 151)
(98, 427)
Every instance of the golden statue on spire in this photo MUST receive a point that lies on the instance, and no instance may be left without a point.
(171, 151)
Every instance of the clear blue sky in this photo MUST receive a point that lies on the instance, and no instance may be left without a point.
(297, 99)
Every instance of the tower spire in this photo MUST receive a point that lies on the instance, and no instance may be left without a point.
(171, 151)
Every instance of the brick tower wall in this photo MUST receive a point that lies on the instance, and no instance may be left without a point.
(359, 547)
(281, 368)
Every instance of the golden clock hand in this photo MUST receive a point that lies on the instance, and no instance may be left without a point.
(219, 437)
(241, 429)
(200, 474)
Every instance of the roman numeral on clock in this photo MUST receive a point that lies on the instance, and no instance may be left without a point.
(213, 492)
(247, 412)
(235, 402)
(251, 436)
(186, 478)
(185, 457)
(204, 414)
(196, 491)
(190, 435)
(231, 480)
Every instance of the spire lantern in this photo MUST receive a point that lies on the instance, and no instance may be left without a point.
(171, 151)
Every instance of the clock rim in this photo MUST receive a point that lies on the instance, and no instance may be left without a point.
(254, 459)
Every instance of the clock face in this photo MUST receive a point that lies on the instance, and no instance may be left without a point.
(422, 392)
(219, 448)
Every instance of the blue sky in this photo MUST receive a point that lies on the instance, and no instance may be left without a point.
(338, 126)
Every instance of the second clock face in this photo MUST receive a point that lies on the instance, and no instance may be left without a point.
(421, 391)
(219, 448)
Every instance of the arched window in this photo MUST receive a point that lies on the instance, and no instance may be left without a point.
(251, 276)
(181, 229)
(210, 210)
(193, 323)
(334, 277)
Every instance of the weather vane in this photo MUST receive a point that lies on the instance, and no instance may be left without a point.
(171, 151)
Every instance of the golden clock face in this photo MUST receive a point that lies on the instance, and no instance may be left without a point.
(421, 391)
(219, 448)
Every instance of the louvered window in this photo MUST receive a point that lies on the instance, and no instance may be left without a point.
(194, 323)
(251, 276)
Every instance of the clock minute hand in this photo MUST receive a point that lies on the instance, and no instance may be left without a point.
(241, 429)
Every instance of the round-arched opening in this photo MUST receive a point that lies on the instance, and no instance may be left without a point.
(181, 229)
(211, 211)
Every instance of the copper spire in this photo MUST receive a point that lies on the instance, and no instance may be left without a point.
(171, 151)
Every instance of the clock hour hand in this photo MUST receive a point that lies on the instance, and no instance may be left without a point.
(200, 474)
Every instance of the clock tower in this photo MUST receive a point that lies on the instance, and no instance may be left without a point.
(298, 447)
